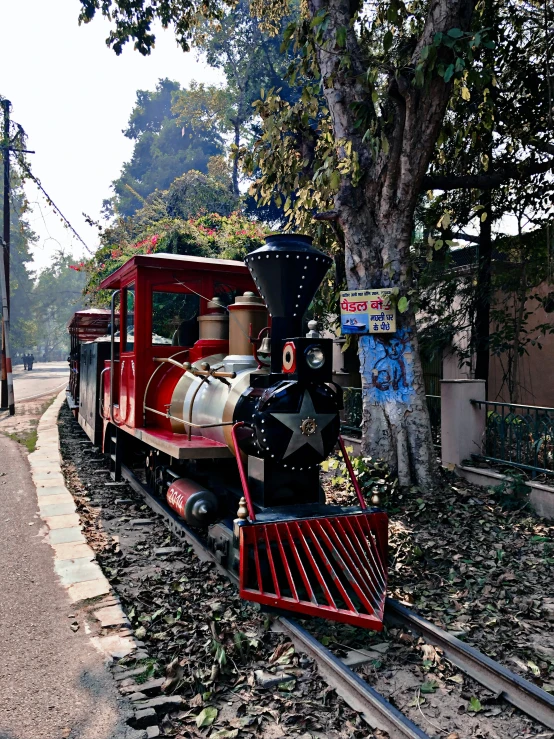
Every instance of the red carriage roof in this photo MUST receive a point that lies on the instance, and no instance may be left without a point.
(89, 324)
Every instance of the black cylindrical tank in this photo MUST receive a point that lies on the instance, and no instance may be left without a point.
(287, 271)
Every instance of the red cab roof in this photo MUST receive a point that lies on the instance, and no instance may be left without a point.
(172, 261)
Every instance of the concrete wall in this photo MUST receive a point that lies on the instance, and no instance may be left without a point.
(462, 433)
(536, 369)
(462, 423)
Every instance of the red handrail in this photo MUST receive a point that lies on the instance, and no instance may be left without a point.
(242, 473)
(353, 478)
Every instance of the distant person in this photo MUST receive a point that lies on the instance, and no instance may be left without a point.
(31, 361)
(25, 362)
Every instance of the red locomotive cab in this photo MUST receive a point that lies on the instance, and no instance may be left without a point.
(172, 311)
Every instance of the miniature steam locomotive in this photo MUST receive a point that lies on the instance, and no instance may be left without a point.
(225, 413)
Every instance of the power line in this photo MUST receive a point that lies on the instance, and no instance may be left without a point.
(53, 204)
(23, 164)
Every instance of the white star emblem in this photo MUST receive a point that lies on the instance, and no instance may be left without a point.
(294, 421)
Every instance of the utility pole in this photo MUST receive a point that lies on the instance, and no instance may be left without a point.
(6, 359)
(6, 327)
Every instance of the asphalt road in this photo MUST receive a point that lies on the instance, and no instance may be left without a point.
(53, 683)
(45, 377)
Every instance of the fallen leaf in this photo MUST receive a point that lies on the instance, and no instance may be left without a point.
(283, 654)
(206, 717)
(456, 679)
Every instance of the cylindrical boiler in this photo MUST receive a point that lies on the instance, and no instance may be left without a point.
(210, 403)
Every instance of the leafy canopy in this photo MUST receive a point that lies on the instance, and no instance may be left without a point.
(167, 144)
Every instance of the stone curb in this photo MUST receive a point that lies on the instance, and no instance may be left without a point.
(74, 561)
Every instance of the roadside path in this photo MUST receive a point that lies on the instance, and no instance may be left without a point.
(53, 683)
(33, 390)
(45, 377)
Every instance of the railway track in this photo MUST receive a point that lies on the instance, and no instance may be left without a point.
(526, 696)
(376, 710)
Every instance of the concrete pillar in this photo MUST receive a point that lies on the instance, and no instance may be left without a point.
(462, 423)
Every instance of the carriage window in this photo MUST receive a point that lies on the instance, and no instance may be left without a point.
(174, 318)
(130, 319)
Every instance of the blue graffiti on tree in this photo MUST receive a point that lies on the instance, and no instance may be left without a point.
(387, 367)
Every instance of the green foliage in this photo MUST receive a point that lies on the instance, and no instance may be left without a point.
(152, 230)
(57, 294)
(23, 326)
(513, 493)
(168, 143)
(373, 476)
(194, 193)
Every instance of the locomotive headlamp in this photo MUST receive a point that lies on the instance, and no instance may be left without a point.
(315, 357)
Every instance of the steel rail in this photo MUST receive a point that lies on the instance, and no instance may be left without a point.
(361, 697)
(526, 696)
(375, 709)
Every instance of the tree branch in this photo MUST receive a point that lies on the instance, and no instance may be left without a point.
(461, 236)
(486, 181)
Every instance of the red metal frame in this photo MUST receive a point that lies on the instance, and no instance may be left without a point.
(353, 477)
(333, 567)
(242, 472)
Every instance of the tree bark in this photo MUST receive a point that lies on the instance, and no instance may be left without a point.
(376, 218)
(235, 172)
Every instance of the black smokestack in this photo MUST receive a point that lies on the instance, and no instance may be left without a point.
(287, 272)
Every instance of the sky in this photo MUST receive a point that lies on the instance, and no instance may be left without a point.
(73, 96)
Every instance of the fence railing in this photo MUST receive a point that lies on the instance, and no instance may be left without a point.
(352, 415)
(351, 423)
(519, 435)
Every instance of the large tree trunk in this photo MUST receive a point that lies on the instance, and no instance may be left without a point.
(376, 217)
(396, 425)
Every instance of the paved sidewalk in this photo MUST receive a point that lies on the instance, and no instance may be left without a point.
(45, 377)
(53, 682)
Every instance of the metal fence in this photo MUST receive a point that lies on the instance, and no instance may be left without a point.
(519, 435)
(351, 423)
